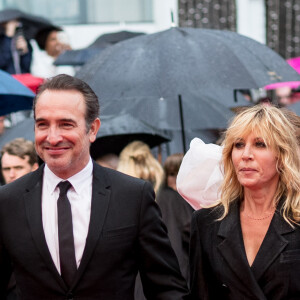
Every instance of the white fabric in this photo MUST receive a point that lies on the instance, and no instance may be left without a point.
(80, 197)
(200, 176)
(42, 64)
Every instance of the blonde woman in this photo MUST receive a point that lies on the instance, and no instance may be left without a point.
(137, 160)
(248, 245)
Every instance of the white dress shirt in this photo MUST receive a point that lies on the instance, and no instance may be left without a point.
(80, 197)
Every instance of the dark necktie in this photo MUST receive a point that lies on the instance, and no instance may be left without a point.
(68, 265)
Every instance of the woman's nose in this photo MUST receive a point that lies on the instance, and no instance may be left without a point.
(247, 153)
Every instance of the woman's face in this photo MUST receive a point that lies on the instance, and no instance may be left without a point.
(254, 163)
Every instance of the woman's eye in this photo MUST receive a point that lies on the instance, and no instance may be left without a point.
(238, 145)
(260, 144)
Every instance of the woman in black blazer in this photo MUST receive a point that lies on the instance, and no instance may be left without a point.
(248, 245)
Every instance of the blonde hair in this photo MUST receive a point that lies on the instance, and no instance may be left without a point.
(279, 134)
(137, 160)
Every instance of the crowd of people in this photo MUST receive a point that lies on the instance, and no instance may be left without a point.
(219, 222)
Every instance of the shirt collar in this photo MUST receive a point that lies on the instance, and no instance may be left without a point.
(78, 180)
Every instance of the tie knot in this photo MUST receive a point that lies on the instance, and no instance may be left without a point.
(63, 187)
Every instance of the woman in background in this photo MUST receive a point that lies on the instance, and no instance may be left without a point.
(137, 160)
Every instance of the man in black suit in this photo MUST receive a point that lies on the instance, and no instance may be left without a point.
(116, 227)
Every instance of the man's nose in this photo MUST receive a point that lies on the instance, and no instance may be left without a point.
(12, 173)
(54, 135)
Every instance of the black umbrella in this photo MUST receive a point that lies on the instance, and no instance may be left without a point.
(31, 24)
(117, 131)
(81, 56)
(171, 62)
(198, 64)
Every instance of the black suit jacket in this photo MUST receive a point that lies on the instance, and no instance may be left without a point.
(126, 234)
(219, 266)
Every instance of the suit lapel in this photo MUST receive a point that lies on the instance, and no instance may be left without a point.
(273, 244)
(32, 199)
(232, 250)
(99, 207)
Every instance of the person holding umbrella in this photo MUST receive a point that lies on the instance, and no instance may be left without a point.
(16, 51)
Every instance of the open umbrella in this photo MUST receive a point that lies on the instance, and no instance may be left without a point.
(195, 63)
(14, 96)
(117, 131)
(31, 24)
(81, 56)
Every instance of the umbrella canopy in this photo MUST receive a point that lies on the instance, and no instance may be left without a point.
(24, 129)
(32, 82)
(177, 60)
(81, 56)
(31, 24)
(14, 96)
(117, 131)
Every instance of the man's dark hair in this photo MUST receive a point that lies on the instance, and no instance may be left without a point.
(65, 82)
(42, 35)
(21, 147)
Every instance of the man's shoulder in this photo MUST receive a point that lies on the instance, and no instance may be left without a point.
(113, 177)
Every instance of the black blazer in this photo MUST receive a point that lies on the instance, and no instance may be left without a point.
(126, 234)
(219, 266)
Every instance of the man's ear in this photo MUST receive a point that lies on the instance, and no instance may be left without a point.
(94, 129)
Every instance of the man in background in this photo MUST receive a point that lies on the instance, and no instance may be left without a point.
(18, 158)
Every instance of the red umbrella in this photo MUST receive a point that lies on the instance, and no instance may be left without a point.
(32, 82)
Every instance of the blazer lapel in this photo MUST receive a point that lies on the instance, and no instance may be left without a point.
(273, 244)
(99, 207)
(32, 199)
(232, 250)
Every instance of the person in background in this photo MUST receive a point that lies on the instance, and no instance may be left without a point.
(137, 160)
(18, 158)
(109, 160)
(245, 246)
(73, 229)
(15, 50)
(49, 48)
(176, 213)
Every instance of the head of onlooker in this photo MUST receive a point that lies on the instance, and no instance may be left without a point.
(18, 158)
(109, 160)
(283, 95)
(48, 39)
(137, 160)
(171, 168)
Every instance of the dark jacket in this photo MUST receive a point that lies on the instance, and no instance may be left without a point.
(6, 58)
(219, 266)
(126, 235)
